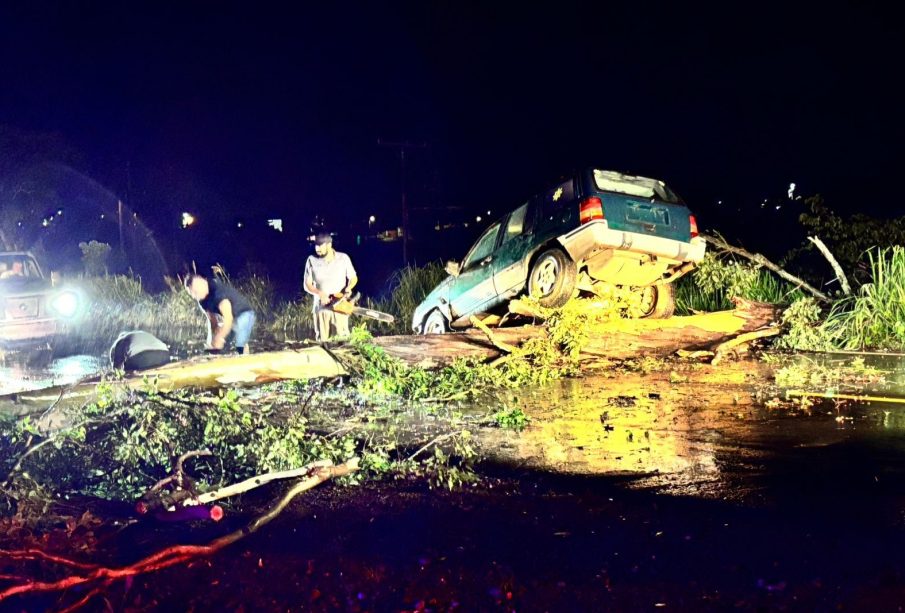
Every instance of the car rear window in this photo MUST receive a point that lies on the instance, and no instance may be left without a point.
(611, 181)
(564, 192)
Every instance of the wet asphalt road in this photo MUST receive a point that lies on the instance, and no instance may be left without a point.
(733, 506)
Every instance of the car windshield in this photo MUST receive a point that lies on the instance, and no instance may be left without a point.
(610, 181)
(17, 267)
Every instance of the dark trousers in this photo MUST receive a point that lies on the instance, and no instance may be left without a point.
(147, 359)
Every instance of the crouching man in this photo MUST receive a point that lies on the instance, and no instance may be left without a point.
(138, 350)
(229, 313)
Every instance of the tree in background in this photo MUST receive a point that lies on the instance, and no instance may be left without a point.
(94, 258)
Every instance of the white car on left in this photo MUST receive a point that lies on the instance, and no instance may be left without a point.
(31, 308)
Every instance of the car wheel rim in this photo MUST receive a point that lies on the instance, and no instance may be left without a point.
(648, 299)
(545, 276)
(434, 326)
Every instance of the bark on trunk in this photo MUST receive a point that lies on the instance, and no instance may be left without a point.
(620, 339)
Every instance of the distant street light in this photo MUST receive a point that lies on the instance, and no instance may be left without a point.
(478, 219)
(187, 220)
(371, 220)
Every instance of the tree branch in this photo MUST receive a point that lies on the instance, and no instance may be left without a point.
(171, 556)
(501, 345)
(840, 274)
(762, 261)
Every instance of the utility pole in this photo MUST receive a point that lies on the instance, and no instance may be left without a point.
(402, 147)
(119, 215)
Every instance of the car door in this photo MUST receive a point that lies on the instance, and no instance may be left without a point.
(474, 288)
(510, 259)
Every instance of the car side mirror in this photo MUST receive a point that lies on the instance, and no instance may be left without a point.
(452, 268)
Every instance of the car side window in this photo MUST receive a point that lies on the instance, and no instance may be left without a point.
(515, 223)
(482, 248)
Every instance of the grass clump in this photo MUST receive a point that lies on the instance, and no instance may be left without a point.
(874, 317)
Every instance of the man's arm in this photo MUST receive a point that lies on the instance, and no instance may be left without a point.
(351, 277)
(212, 327)
(350, 285)
(226, 312)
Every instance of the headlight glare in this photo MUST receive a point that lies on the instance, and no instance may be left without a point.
(66, 304)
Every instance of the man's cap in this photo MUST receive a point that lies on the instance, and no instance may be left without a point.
(323, 238)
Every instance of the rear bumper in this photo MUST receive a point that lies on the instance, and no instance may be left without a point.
(19, 332)
(592, 237)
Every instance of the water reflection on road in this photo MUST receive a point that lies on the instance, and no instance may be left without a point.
(31, 371)
(704, 432)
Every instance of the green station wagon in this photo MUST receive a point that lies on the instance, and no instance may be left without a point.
(599, 227)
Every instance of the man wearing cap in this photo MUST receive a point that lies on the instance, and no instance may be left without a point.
(329, 276)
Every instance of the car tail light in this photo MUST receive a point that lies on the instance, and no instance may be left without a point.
(590, 209)
(693, 225)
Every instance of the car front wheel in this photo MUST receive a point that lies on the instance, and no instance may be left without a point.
(435, 323)
(552, 278)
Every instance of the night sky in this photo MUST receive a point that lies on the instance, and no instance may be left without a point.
(243, 112)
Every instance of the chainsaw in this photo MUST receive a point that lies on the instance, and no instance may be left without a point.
(349, 306)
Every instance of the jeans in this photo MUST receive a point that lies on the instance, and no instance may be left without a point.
(242, 325)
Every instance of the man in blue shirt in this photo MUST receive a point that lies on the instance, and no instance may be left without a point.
(329, 277)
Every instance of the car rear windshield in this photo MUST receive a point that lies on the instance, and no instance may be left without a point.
(611, 181)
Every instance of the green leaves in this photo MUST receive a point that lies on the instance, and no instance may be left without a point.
(512, 418)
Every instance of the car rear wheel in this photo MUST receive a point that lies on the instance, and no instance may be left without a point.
(435, 323)
(552, 278)
(658, 301)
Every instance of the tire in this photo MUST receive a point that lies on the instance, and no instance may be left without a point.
(552, 278)
(435, 323)
(660, 301)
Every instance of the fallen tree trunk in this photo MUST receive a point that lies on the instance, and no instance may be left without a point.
(199, 372)
(619, 339)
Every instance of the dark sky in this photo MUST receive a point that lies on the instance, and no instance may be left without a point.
(275, 109)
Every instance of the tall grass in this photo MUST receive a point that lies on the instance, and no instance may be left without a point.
(715, 293)
(294, 320)
(875, 316)
(407, 288)
(117, 303)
